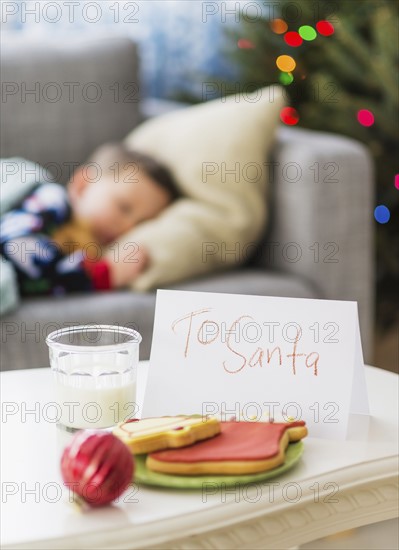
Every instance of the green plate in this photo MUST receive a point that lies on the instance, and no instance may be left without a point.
(145, 476)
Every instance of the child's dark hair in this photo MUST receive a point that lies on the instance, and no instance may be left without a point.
(110, 153)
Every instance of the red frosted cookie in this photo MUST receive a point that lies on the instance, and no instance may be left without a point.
(240, 448)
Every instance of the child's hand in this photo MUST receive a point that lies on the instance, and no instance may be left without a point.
(124, 266)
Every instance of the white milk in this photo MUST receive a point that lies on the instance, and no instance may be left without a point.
(83, 404)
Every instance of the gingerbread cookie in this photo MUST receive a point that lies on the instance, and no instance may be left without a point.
(153, 434)
(241, 448)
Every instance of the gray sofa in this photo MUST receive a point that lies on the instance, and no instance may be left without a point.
(319, 242)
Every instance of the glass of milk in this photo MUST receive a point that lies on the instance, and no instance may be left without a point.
(95, 374)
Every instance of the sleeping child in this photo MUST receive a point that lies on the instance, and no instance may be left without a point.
(56, 236)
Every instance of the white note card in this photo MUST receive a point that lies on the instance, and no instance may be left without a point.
(257, 357)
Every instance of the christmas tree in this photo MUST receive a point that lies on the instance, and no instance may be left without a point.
(339, 62)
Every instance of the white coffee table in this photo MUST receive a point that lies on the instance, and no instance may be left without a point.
(342, 485)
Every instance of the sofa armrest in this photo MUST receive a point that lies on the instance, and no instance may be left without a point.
(322, 218)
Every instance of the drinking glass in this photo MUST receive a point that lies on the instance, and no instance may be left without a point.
(95, 374)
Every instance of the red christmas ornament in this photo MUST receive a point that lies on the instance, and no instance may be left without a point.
(289, 116)
(97, 467)
(293, 39)
(325, 28)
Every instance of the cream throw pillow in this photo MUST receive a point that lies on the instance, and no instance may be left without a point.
(217, 152)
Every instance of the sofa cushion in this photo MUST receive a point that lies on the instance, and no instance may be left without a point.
(24, 332)
(60, 100)
(252, 282)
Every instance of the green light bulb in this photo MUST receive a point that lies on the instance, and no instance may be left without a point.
(307, 32)
(286, 78)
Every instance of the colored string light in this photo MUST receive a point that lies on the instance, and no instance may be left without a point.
(285, 63)
(382, 214)
(293, 39)
(325, 28)
(286, 78)
(279, 26)
(365, 117)
(307, 32)
(245, 44)
(397, 181)
(289, 116)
